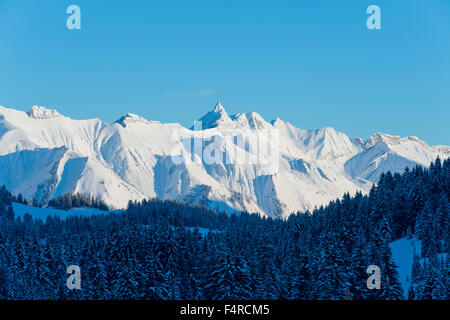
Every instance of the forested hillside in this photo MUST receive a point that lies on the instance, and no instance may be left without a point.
(155, 250)
(77, 200)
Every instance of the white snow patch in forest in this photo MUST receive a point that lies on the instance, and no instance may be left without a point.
(203, 231)
(403, 255)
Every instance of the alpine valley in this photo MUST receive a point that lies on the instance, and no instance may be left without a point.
(44, 154)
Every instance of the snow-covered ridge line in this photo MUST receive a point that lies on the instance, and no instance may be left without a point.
(221, 118)
(44, 154)
(37, 112)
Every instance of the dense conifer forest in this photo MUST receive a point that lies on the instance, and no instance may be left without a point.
(169, 250)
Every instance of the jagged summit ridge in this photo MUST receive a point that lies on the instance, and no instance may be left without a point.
(390, 140)
(130, 118)
(219, 108)
(214, 118)
(218, 117)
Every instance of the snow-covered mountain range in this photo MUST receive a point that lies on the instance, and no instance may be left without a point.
(44, 154)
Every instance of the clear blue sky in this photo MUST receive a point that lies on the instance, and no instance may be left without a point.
(313, 63)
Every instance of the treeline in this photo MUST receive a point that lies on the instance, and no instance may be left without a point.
(65, 202)
(21, 199)
(154, 250)
(77, 200)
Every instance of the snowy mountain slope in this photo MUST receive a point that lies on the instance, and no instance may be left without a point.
(238, 162)
(31, 172)
(42, 174)
(382, 152)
